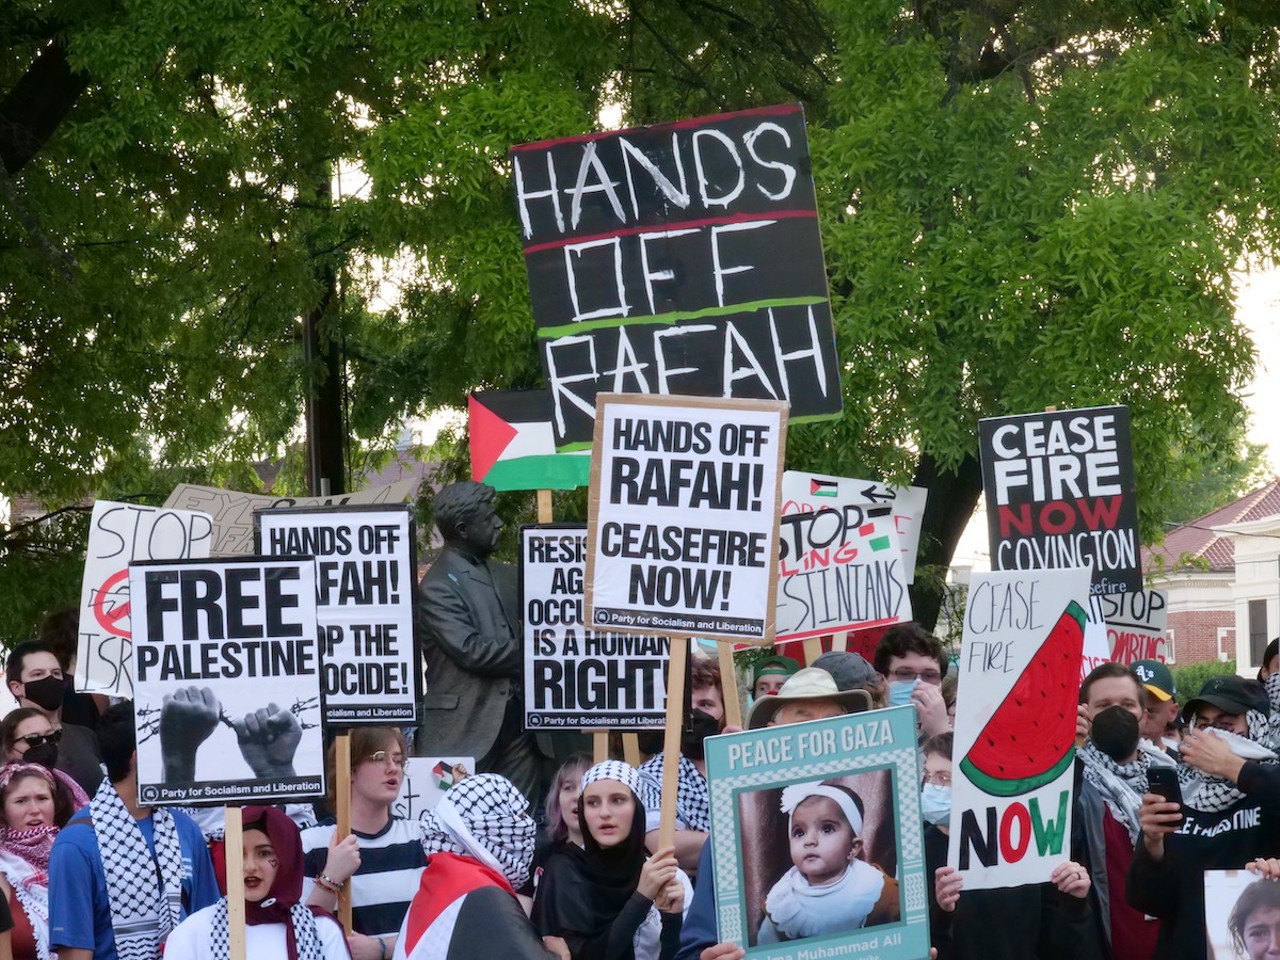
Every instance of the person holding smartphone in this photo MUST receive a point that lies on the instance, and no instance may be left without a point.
(1228, 817)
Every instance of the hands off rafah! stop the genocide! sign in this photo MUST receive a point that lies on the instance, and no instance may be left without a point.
(682, 529)
(1060, 493)
(365, 570)
(683, 258)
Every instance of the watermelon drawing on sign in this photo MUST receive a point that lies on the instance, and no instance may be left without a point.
(1029, 739)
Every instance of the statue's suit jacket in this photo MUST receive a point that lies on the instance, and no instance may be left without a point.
(472, 654)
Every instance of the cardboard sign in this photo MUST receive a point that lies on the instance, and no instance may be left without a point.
(232, 511)
(575, 677)
(683, 258)
(426, 779)
(118, 534)
(227, 666)
(682, 526)
(1015, 730)
(840, 562)
(365, 569)
(1136, 626)
(1060, 493)
(766, 783)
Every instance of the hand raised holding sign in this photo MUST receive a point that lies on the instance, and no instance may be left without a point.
(187, 718)
(269, 738)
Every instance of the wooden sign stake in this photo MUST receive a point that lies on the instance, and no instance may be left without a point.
(342, 796)
(233, 839)
(544, 506)
(812, 650)
(631, 749)
(671, 740)
(729, 685)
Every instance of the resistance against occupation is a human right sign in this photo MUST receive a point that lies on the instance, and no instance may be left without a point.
(573, 676)
(226, 666)
(120, 533)
(682, 529)
(1060, 493)
(365, 569)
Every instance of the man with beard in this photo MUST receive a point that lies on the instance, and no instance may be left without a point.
(693, 799)
(1230, 785)
(1114, 763)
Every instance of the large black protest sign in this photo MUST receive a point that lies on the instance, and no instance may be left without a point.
(573, 676)
(365, 574)
(682, 525)
(683, 258)
(1060, 493)
(226, 668)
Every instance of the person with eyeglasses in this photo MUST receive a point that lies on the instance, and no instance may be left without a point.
(912, 660)
(382, 858)
(27, 736)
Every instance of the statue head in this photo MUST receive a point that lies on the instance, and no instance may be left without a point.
(466, 517)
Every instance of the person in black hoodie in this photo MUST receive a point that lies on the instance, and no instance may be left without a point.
(1231, 805)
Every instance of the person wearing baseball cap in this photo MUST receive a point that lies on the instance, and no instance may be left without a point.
(770, 674)
(1159, 698)
(1230, 787)
(852, 671)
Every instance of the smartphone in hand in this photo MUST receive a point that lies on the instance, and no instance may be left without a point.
(1164, 782)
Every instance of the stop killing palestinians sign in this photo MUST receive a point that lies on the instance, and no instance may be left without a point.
(1011, 785)
(118, 534)
(682, 531)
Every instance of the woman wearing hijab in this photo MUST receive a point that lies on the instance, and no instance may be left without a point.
(278, 925)
(479, 841)
(606, 900)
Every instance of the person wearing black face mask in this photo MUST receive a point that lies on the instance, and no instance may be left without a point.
(1114, 762)
(35, 680)
(693, 800)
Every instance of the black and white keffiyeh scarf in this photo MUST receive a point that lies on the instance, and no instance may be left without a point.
(1121, 785)
(304, 932)
(484, 816)
(145, 893)
(693, 798)
(1212, 794)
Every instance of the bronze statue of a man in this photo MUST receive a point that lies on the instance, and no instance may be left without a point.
(467, 614)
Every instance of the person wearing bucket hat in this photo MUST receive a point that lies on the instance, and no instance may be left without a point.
(770, 674)
(1229, 815)
(808, 694)
(1159, 698)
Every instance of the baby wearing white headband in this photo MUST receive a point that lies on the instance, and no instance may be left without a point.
(830, 888)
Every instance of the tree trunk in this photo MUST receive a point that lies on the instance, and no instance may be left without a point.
(34, 107)
(326, 424)
(953, 496)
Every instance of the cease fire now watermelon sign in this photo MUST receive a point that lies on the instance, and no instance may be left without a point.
(1015, 725)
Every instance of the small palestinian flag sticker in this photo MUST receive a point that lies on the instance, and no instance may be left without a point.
(823, 488)
(443, 774)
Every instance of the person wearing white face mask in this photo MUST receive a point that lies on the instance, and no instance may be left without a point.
(935, 807)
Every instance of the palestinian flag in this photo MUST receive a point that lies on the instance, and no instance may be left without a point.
(823, 488)
(443, 774)
(513, 445)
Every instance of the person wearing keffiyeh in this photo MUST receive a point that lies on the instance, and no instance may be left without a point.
(479, 841)
(278, 926)
(1230, 786)
(121, 874)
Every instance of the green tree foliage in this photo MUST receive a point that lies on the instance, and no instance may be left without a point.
(1023, 203)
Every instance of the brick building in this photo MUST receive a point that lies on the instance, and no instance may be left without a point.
(1222, 574)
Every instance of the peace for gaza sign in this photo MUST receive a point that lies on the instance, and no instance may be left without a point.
(682, 529)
